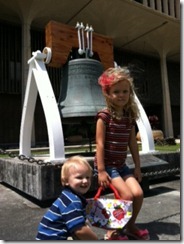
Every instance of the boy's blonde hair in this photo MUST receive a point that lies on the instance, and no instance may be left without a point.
(111, 77)
(73, 162)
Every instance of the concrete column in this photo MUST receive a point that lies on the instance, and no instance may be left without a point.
(159, 5)
(145, 3)
(171, 8)
(152, 4)
(177, 7)
(168, 124)
(165, 6)
(26, 55)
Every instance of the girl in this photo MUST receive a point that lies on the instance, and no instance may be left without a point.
(115, 132)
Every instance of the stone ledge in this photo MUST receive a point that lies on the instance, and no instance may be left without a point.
(42, 182)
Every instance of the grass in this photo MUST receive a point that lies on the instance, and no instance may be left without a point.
(165, 148)
(86, 149)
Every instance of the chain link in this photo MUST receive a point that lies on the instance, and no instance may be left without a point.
(41, 162)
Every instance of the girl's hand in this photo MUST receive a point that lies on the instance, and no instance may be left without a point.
(137, 174)
(103, 179)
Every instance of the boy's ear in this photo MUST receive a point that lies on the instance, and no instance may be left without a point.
(65, 182)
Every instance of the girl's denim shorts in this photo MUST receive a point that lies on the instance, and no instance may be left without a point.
(116, 172)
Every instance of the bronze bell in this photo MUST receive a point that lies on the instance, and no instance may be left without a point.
(80, 94)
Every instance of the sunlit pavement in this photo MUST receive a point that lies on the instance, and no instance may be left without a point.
(160, 213)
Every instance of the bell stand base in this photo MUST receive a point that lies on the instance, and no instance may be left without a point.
(42, 182)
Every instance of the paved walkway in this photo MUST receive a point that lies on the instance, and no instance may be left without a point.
(19, 216)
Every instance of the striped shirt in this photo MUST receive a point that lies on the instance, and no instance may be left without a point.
(65, 215)
(116, 138)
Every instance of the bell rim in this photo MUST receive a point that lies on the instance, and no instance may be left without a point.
(84, 60)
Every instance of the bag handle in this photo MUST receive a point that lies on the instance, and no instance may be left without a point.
(100, 189)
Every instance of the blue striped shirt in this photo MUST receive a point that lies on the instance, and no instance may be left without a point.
(65, 215)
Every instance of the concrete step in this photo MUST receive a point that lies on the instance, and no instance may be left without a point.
(42, 181)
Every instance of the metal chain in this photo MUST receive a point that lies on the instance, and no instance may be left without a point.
(25, 158)
(161, 172)
(41, 162)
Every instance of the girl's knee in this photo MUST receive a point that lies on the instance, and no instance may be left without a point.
(139, 194)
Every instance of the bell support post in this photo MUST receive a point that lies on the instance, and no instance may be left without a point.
(143, 124)
(38, 82)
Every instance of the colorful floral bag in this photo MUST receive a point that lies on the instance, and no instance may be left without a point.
(108, 213)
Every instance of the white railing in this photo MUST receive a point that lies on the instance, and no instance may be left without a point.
(168, 7)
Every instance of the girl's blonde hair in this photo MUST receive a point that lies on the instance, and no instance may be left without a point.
(73, 162)
(112, 76)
